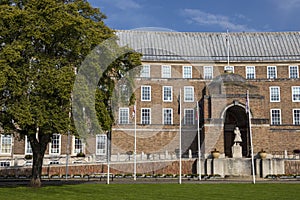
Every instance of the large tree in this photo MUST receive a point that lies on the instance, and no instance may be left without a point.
(42, 43)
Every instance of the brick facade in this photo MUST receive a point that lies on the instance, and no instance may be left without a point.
(222, 103)
(215, 99)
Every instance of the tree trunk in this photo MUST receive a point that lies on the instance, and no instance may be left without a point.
(39, 147)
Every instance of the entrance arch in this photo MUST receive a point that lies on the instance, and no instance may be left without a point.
(236, 116)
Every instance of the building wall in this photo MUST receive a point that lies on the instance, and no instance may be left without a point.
(273, 138)
(157, 137)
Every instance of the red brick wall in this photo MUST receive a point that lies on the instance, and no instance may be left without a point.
(169, 167)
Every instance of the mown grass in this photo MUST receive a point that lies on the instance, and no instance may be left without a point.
(155, 191)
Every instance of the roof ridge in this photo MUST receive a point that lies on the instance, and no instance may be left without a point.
(214, 33)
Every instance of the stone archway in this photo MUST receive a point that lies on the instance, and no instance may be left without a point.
(236, 116)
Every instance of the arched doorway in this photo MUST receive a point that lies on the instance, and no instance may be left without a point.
(236, 116)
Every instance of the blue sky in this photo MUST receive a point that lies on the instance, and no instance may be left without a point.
(202, 15)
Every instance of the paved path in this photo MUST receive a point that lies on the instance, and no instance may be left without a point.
(25, 182)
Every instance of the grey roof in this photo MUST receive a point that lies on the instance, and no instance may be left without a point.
(203, 46)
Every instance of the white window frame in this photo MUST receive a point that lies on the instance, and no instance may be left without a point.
(291, 74)
(268, 72)
(77, 150)
(296, 122)
(208, 72)
(145, 71)
(187, 75)
(229, 68)
(192, 118)
(163, 117)
(8, 150)
(166, 71)
(51, 149)
(123, 119)
(28, 149)
(273, 96)
(271, 116)
(124, 92)
(186, 94)
(101, 144)
(250, 72)
(143, 118)
(143, 95)
(294, 88)
(167, 98)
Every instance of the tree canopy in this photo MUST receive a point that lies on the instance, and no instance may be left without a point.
(42, 44)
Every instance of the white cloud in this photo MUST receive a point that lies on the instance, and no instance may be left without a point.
(287, 5)
(125, 4)
(208, 19)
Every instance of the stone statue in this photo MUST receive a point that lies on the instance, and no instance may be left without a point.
(237, 138)
(236, 148)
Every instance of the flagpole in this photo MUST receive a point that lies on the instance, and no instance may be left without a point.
(180, 164)
(228, 47)
(199, 145)
(134, 167)
(108, 156)
(250, 133)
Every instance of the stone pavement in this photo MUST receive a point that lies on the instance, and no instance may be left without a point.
(25, 182)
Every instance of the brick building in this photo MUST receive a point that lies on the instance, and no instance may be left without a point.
(213, 70)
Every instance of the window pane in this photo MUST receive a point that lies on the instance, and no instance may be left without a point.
(188, 116)
(123, 115)
(6, 144)
(146, 93)
(145, 71)
(296, 93)
(297, 117)
(275, 117)
(167, 93)
(101, 144)
(272, 72)
(28, 149)
(187, 71)
(274, 94)
(166, 71)
(250, 72)
(146, 116)
(167, 115)
(55, 144)
(294, 72)
(208, 72)
(189, 94)
(124, 93)
(78, 146)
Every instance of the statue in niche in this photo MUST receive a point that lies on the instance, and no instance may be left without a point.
(237, 138)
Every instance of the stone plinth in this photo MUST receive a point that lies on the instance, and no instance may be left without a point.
(229, 166)
(236, 151)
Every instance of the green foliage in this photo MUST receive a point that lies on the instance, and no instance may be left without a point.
(42, 44)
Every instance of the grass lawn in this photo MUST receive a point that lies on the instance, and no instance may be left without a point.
(155, 191)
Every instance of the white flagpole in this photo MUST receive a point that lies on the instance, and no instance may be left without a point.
(250, 133)
(134, 167)
(180, 164)
(228, 47)
(199, 145)
(108, 155)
